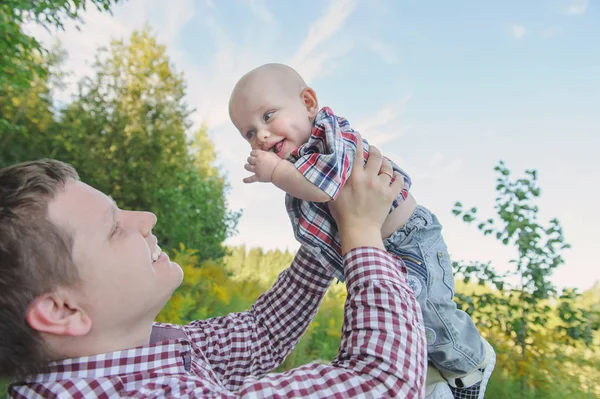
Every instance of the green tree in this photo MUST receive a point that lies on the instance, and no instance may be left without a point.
(521, 305)
(126, 133)
(204, 154)
(28, 116)
(21, 54)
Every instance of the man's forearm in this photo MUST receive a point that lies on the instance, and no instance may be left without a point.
(286, 177)
(383, 327)
(253, 343)
(383, 348)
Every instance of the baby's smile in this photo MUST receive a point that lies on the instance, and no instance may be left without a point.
(277, 147)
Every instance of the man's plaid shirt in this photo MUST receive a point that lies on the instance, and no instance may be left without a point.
(382, 353)
(326, 161)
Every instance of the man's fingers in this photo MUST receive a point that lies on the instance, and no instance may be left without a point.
(386, 171)
(397, 184)
(359, 158)
(251, 179)
(374, 161)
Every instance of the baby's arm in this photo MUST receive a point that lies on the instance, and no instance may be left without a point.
(289, 179)
(268, 167)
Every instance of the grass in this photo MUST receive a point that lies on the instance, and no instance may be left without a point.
(502, 386)
(3, 387)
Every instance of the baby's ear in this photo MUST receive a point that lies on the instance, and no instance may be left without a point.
(309, 97)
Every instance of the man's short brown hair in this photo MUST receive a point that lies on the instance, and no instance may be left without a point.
(35, 258)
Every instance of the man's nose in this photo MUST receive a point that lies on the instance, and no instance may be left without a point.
(143, 221)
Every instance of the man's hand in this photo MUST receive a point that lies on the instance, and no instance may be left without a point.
(365, 200)
(262, 164)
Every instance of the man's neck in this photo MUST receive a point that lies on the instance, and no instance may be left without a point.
(94, 343)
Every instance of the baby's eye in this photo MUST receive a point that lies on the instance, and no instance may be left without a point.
(268, 116)
(249, 135)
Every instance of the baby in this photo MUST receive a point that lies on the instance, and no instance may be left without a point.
(308, 152)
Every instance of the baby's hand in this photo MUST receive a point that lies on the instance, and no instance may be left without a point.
(262, 164)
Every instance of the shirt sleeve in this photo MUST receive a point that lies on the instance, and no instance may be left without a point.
(326, 159)
(383, 347)
(254, 342)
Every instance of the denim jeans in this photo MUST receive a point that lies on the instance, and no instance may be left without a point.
(453, 343)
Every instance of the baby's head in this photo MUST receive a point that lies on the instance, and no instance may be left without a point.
(273, 109)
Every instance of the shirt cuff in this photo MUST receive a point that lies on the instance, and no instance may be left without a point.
(364, 264)
(307, 271)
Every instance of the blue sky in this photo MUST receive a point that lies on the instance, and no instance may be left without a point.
(446, 89)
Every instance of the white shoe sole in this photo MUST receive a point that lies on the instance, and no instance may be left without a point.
(441, 391)
(487, 372)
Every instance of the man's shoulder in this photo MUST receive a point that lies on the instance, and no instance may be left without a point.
(166, 331)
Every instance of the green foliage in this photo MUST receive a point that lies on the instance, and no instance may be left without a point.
(20, 54)
(544, 340)
(523, 309)
(203, 153)
(217, 288)
(28, 115)
(3, 387)
(126, 133)
(214, 288)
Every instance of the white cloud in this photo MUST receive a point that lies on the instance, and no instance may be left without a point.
(175, 16)
(310, 63)
(260, 10)
(99, 28)
(209, 84)
(385, 51)
(577, 7)
(210, 87)
(518, 31)
(437, 168)
(322, 63)
(383, 126)
(551, 32)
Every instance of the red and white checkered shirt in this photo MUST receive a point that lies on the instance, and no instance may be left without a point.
(326, 161)
(382, 352)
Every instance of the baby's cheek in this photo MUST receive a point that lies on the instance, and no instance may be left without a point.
(280, 126)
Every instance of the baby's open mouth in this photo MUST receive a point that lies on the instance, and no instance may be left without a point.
(277, 147)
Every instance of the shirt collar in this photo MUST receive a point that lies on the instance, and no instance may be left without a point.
(167, 353)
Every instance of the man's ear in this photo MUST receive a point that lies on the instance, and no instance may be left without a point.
(57, 313)
(309, 97)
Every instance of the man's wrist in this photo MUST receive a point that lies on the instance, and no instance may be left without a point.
(360, 236)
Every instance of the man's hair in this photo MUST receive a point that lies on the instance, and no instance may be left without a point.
(35, 258)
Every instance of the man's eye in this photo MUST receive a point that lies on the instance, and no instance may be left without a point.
(268, 116)
(116, 231)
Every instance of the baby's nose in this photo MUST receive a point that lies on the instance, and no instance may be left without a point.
(263, 135)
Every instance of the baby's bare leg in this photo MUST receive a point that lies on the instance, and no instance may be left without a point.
(399, 216)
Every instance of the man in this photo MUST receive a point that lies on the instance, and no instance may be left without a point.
(81, 282)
